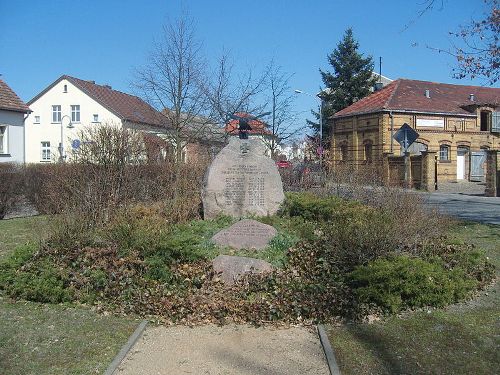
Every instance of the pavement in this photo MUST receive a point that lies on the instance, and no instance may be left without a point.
(230, 349)
(466, 207)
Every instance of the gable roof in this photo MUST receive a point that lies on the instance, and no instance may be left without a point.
(258, 127)
(9, 100)
(127, 107)
(407, 95)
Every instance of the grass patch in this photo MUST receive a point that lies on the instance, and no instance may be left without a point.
(55, 339)
(45, 338)
(459, 339)
(14, 232)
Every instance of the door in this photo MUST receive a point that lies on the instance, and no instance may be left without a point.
(461, 152)
(460, 167)
(478, 158)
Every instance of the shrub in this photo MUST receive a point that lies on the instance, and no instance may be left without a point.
(399, 282)
(111, 171)
(312, 207)
(37, 281)
(10, 187)
(458, 254)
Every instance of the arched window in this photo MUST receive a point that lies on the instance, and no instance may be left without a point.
(444, 153)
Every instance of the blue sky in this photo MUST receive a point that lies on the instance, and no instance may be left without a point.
(105, 40)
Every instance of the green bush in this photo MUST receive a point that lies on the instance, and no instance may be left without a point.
(156, 269)
(315, 208)
(39, 281)
(399, 282)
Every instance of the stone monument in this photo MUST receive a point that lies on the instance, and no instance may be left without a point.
(232, 269)
(242, 181)
(245, 234)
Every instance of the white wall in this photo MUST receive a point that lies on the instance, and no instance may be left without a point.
(46, 131)
(15, 136)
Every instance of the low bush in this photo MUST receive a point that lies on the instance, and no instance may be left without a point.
(312, 207)
(334, 258)
(36, 280)
(404, 282)
(11, 180)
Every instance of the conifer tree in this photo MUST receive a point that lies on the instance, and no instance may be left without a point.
(350, 80)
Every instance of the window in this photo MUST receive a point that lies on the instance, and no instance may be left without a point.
(75, 113)
(37, 120)
(368, 148)
(46, 151)
(3, 140)
(444, 153)
(96, 118)
(485, 120)
(65, 89)
(56, 113)
(416, 148)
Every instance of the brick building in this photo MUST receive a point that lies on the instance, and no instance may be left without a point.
(457, 123)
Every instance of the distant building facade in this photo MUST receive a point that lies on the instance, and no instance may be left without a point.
(458, 123)
(12, 114)
(69, 105)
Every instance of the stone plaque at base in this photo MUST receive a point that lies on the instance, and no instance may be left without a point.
(242, 181)
(231, 268)
(245, 234)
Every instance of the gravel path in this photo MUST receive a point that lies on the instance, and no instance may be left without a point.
(230, 349)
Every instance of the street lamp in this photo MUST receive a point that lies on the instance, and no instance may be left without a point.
(61, 145)
(322, 101)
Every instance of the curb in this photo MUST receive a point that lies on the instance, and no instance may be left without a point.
(327, 348)
(126, 348)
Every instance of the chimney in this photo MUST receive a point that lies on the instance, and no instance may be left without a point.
(471, 97)
(92, 82)
(107, 86)
(427, 93)
(378, 86)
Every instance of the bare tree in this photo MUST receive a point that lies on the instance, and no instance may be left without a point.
(228, 93)
(193, 100)
(480, 57)
(477, 51)
(282, 121)
(170, 82)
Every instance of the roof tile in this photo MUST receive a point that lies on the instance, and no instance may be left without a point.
(127, 107)
(409, 95)
(10, 101)
(258, 127)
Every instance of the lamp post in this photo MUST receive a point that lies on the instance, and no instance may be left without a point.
(61, 145)
(322, 101)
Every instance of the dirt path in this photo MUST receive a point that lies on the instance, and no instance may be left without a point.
(228, 350)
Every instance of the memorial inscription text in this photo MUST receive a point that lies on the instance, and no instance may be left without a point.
(244, 178)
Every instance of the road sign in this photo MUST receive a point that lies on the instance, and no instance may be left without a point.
(75, 143)
(405, 136)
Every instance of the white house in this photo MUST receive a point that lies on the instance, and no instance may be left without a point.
(69, 104)
(12, 114)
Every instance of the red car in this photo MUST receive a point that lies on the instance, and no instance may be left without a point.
(283, 164)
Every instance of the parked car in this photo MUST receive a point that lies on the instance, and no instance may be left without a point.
(283, 164)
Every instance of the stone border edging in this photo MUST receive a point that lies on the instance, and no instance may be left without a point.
(126, 348)
(327, 348)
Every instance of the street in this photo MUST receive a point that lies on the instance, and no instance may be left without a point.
(467, 207)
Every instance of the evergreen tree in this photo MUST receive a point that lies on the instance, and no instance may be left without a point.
(350, 80)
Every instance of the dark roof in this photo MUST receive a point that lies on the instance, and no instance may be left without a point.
(10, 101)
(127, 107)
(258, 127)
(409, 95)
